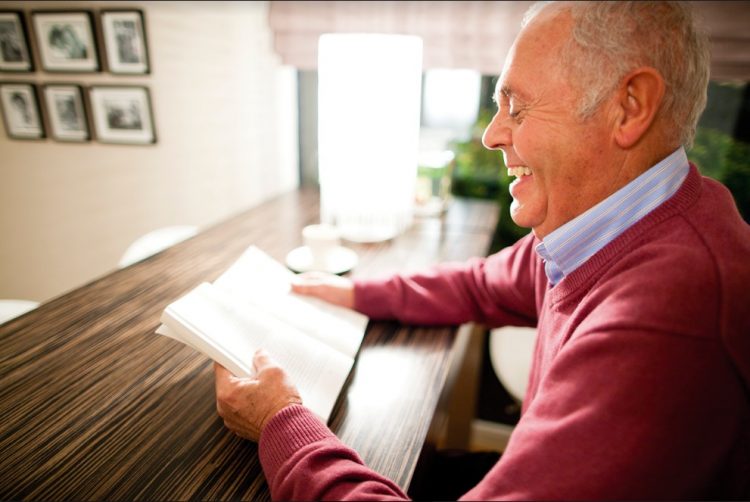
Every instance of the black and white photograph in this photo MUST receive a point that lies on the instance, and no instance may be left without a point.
(125, 41)
(66, 112)
(21, 110)
(14, 44)
(66, 41)
(122, 114)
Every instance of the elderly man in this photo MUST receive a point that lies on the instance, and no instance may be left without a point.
(636, 275)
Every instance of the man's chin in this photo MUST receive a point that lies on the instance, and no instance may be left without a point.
(518, 215)
(523, 220)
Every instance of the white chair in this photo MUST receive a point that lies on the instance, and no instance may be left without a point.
(511, 350)
(155, 241)
(10, 309)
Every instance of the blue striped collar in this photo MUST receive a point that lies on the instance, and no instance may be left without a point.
(568, 247)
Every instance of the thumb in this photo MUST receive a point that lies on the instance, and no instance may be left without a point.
(262, 360)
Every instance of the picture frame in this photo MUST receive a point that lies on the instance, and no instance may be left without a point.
(15, 53)
(66, 112)
(122, 114)
(125, 44)
(66, 41)
(21, 111)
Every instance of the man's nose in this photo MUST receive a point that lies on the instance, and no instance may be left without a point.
(497, 134)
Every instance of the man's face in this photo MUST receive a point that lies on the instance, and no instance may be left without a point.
(536, 127)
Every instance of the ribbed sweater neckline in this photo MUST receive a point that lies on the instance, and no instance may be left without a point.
(685, 196)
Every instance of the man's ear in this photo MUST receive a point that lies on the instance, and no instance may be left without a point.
(639, 99)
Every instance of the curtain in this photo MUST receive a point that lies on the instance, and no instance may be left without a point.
(471, 34)
(468, 34)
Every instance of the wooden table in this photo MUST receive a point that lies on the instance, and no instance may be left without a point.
(95, 406)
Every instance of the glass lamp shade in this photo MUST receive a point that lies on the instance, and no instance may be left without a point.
(369, 89)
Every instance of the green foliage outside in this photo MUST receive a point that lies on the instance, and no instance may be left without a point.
(721, 157)
(481, 173)
(477, 171)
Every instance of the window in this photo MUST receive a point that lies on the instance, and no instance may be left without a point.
(722, 140)
(457, 106)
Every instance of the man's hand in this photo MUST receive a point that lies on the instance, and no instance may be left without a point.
(248, 404)
(329, 287)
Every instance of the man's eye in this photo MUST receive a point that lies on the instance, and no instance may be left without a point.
(514, 109)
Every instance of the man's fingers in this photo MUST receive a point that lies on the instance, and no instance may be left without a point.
(221, 372)
(300, 287)
(309, 280)
(222, 384)
(312, 276)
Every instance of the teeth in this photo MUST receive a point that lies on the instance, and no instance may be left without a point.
(519, 171)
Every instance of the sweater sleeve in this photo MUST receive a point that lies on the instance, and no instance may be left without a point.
(497, 290)
(585, 438)
(623, 415)
(303, 460)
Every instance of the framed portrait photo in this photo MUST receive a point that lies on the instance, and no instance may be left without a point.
(125, 41)
(66, 112)
(14, 43)
(66, 41)
(122, 114)
(21, 110)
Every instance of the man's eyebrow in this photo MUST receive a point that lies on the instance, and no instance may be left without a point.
(505, 90)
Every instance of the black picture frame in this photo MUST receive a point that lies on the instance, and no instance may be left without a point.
(15, 51)
(22, 115)
(122, 114)
(125, 42)
(66, 112)
(66, 41)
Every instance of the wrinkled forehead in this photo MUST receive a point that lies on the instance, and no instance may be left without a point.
(536, 52)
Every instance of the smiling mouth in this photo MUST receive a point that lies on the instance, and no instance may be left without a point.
(519, 171)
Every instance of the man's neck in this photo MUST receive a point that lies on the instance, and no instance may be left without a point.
(635, 161)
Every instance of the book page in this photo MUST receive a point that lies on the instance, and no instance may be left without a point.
(230, 332)
(260, 281)
(164, 330)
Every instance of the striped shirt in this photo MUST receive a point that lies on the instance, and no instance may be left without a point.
(569, 246)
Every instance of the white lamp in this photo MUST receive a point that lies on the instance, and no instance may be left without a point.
(369, 88)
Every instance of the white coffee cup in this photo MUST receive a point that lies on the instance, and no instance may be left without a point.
(321, 239)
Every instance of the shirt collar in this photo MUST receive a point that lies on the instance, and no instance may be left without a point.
(569, 246)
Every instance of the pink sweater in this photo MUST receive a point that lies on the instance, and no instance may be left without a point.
(641, 373)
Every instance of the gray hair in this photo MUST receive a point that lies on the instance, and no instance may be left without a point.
(612, 38)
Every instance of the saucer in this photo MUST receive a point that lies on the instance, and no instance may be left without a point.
(338, 261)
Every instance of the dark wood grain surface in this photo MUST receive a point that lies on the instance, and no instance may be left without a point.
(95, 406)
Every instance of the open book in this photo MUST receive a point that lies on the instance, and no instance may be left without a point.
(251, 306)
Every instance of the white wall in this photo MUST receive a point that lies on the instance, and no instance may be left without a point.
(225, 114)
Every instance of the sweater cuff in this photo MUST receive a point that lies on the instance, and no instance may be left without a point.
(289, 430)
(372, 298)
